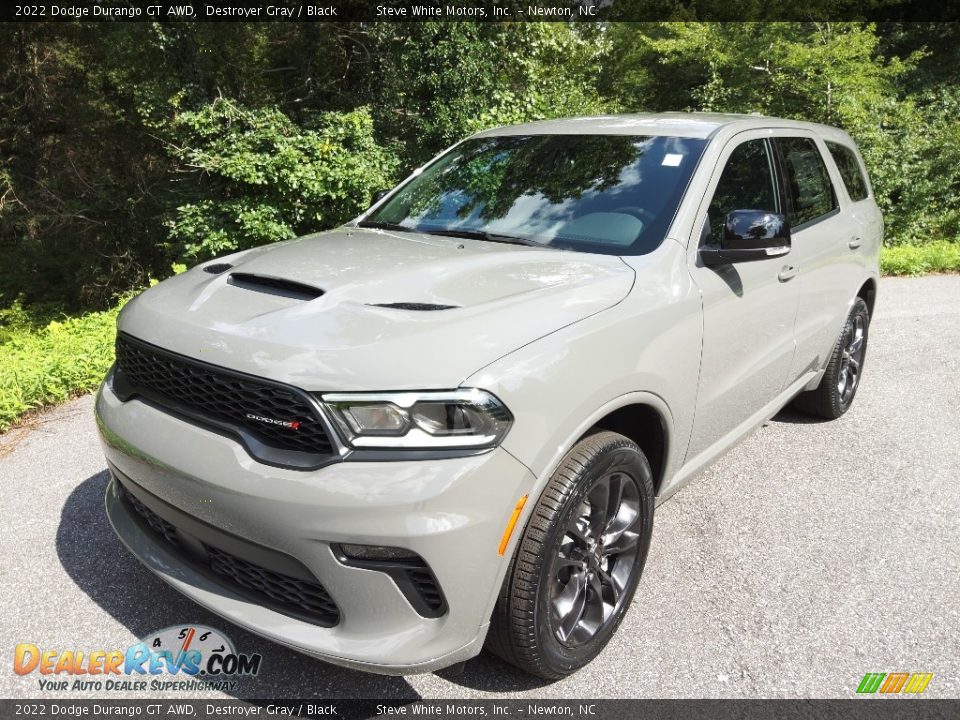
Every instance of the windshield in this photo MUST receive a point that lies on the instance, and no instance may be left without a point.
(612, 194)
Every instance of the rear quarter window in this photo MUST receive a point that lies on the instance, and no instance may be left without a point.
(850, 171)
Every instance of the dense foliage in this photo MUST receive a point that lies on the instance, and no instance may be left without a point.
(254, 176)
(125, 147)
(939, 256)
(45, 360)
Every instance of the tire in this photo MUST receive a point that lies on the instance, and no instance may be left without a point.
(558, 545)
(838, 386)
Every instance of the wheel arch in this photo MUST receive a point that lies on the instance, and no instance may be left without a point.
(644, 424)
(868, 292)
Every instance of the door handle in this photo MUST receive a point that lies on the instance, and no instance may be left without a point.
(788, 272)
(855, 243)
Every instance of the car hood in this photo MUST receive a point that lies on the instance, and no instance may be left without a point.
(501, 296)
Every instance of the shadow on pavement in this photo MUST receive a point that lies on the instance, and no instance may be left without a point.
(794, 417)
(488, 673)
(143, 603)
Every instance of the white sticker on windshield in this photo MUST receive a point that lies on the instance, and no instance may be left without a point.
(672, 159)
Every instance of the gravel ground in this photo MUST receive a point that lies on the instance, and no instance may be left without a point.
(809, 555)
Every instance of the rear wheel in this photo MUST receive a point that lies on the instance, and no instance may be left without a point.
(838, 386)
(576, 568)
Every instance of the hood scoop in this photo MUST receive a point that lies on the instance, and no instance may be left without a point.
(217, 268)
(419, 307)
(274, 286)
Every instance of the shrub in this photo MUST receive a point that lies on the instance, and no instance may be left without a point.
(939, 256)
(52, 362)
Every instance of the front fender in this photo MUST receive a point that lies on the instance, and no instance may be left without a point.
(645, 349)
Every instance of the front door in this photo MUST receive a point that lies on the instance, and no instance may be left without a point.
(749, 308)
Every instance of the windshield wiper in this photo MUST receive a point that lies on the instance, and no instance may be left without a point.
(380, 225)
(457, 233)
(484, 235)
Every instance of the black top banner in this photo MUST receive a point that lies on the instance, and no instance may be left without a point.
(477, 10)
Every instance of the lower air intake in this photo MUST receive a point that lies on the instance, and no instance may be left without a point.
(301, 598)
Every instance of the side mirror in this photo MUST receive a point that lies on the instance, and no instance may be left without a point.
(378, 196)
(749, 235)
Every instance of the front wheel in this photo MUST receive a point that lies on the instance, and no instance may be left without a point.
(838, 386)
(578, 563)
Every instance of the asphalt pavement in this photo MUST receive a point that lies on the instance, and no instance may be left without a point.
(812, 553)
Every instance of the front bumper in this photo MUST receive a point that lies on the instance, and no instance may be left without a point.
(451, 512)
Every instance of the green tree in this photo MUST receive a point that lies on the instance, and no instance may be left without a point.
(437, 82)
(835, 73)
(77, 176)
(253, 176)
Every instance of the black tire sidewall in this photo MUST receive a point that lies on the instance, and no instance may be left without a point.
(627, 458)
(859, 308)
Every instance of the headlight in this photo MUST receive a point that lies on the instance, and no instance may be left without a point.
(448, 420)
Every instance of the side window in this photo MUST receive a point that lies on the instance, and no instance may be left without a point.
(746, 184)
(808, 185)
(849, 170)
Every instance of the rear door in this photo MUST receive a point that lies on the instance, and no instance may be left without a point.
(822, 232)
(749, 308)
(865, 245)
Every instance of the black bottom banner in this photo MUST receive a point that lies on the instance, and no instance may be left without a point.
(851, 709)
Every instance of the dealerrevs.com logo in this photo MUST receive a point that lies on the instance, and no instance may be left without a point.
(291, 424)
(204, 658)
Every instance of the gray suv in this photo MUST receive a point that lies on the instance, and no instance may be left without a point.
(448, 422)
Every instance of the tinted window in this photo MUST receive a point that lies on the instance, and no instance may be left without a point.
(746, 184)
(849, 170)
(808, 185)
(612, 194)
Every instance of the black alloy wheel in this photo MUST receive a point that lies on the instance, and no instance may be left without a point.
(841, 379)
(578, 562)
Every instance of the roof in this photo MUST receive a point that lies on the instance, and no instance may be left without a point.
(673, 124)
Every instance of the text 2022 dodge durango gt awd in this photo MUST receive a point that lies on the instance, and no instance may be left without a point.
(447, 423)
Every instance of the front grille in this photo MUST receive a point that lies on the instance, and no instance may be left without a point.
(302, 597)
(223, 397)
